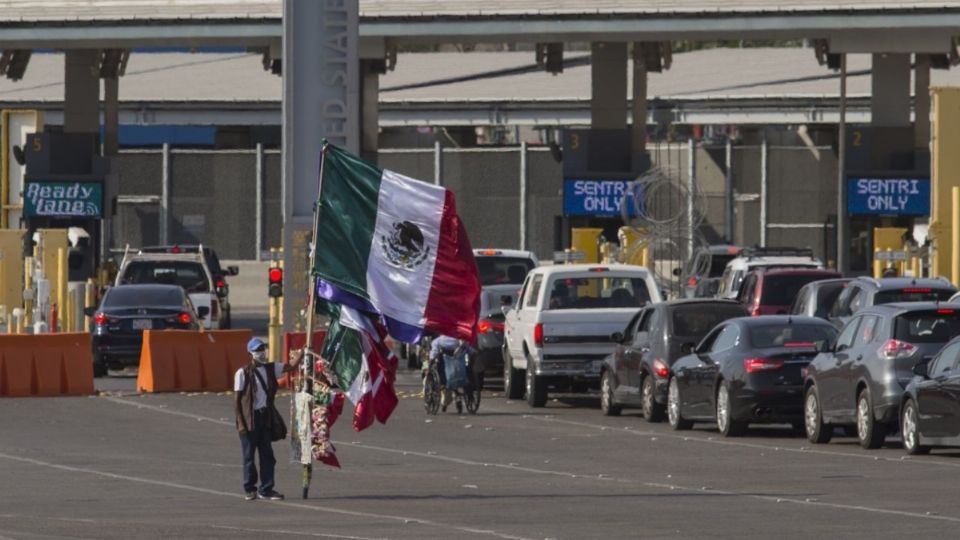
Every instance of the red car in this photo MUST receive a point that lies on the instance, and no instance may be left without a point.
(771, 292)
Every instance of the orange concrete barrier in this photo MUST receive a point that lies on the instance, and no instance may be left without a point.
(186, 361)
(45, 365)
(293, 341)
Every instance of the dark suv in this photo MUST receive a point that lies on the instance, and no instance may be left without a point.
(860, 380)
(866, 291)
(636, 374)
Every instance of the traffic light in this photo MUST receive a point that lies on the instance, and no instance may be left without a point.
(275, 276)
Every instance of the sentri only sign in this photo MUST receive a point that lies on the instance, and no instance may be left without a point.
(888, 196)
(63, 199)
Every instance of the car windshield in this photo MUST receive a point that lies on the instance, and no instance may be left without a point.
(781, 290)
(503, 270)
(121, 297)
(826, 296)
(718, 263)
(913, 294)
(938, 326)
(695, 320)
(187, 274)
(598, 292)
(791, 335)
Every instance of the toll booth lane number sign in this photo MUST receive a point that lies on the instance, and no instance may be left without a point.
(888, 196)
(600, 197)
(63, 199)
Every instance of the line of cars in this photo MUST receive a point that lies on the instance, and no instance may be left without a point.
(156, 288)
(785, 341)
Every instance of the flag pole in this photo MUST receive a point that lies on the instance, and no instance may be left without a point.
(309, 364)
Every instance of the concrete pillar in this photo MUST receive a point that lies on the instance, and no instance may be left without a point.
(369, 110)
(639, 109)
(81, 98)
(608, 83)
(111, 116)
(890, 105)
(921, 103)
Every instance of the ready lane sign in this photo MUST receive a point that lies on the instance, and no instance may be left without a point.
(63, 199)
(888, 196)
(600, 197)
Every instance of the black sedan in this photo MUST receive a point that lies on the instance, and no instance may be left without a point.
(747, 370)
(930, 411)
(637, 372)
(126, 311)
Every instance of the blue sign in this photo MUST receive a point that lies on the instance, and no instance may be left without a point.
(601, 197)
(888, 196)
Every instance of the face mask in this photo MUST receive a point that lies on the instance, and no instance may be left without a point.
(259, 357)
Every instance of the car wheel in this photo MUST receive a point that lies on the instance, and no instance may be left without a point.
(725, 422)
(652, 411)
(512, 378)
(817, 431)
(910, 429)
(870, 433)
(99, 366)
(536, 387)
(674, 416)
(608, 406)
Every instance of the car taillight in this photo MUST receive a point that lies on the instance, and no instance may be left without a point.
(100, 318)
(661, 369)
(944, 312)
(184, 318)
(800, 344)
(485, 326)
(894, 348)
(755, 311)
(221, 283)
(753, 365)
(692, 282)
(917, 290)
(538, 335)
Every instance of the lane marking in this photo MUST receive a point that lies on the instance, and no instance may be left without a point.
(113, 522)
(710, 440)
(604, 478)
(207, 491)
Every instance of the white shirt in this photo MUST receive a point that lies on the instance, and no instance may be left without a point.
(259, 393)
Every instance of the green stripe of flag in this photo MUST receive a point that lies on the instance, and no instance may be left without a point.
(348, 216)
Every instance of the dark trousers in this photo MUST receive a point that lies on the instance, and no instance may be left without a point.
(258, 441)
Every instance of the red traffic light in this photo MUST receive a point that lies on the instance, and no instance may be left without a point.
(275, 276)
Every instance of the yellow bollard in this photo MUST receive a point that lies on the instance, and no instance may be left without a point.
(28, 286)
(955, 229)
(273, 323)
(89, 301)
(877, 265)
(915, 266)
(63, 314)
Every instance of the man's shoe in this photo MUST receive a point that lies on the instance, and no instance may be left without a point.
(271, 495)
(251, 495)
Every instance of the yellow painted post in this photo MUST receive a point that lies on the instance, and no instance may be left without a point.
(89, 301)
(63, 314)
(915, 264)
(27, 285)
(955, 234)
(944, 164)
(273, 323)
(877, 264)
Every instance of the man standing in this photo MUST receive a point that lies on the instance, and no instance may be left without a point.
(255, 386)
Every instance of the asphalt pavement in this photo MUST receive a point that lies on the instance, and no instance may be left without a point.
(123, 465)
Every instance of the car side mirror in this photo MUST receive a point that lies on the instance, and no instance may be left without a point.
(920, 369)
(688, 348)
(616, 337)
(233, 270)
(90, 311)
(676, 271)
(202, 312)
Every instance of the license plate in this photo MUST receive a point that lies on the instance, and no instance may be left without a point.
(142, 324)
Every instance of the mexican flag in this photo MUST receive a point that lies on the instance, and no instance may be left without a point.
(363, 364)
(395, 246)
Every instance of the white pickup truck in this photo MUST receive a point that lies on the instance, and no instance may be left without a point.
(188, 270)
(558, 332)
